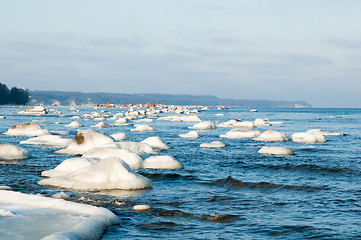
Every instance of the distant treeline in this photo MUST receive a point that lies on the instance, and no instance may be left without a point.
(66, 98)
(15, 96)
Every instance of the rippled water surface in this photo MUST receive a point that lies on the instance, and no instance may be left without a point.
(228, 193)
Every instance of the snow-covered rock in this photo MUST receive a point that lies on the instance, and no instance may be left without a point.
(161, 162)
(84, 141)
(26, 129)
(108, 173)
(203, 125)
(276, 151)
(37, 110)
(137, 147)
(156, 143)
(48, 140)
(142, 128)
(131, 158)
(12, 152)
(191, 134)
(119, 136)
(325, 133)
(69, 165)
(141, 208)
(271, 136)
(55, 218)
(214, 144)
(101, 125)
(308, 137)
(241, 133)
(261, 122)
(236, 123)
(74, 124)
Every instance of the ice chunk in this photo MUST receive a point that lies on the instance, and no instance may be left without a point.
(119, 136)
(308, 137)
(69, 165)
(26, 129)
(131, 158)
(271, 136)
(241, 133)
(191, 134)
(156, 143)
(203, 125)
(161, 162)
(12, 152)
(108, 173)
(214, 144)
(276, 151)
(50, 140)
(84, 141)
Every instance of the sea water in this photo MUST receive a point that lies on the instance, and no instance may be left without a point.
(227, 193)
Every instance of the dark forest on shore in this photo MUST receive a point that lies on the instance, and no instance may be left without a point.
(14, 96)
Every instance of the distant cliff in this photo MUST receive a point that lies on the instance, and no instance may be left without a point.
(66, 98)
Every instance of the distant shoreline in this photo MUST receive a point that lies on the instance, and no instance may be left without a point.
(78, 98)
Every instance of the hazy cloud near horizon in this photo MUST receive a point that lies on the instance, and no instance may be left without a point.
(236, 49)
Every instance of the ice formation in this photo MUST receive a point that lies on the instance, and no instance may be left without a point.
(69, 165)
(155, 143)
(237, 123)
(241, 133)
(308, 137)
(325, 133)
(271, 136)
(214, 144)
(119, 136)
(50, 140)
(62, 219)
(84, 141)
(276, 151)
(12, 152)
(142, 128)
(37, 110)
(137, 147)
(131, 158)
(203, 125)
(74, 124)
(191, 134)
(161, 162)
(108, 173)
(26, 129)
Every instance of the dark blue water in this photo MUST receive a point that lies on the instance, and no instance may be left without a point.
(228, 193)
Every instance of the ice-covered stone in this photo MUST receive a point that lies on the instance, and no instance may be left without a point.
(156, 143)
(84, 141)
(276, 151)
(119, 136)
(271, 136)
(214, 144)
(203, 125)
(12, 152)
(108, 173)
(131, 158)
(26, 129)
(308, 137)
(191, 134)
(142, 128)
(161, 162)
(241, 133)
(48, 140)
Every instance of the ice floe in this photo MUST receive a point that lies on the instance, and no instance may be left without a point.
(161, 162)
(108, 173)
(131, 158)
(74, 124)
(37, 110)
(203, 125)
(51, 219)
(29, 129)
(119, 136)
(308, 137)
(191, 134)
(214, 144)
(48, 140)
(142, 128)
(276, 151)
(12, 152)
(155, 143)
(271, 136)
(86, 140)
(241, 133)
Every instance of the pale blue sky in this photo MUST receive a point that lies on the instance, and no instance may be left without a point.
(244, 49)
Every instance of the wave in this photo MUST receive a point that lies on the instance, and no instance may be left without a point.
(169, 176)
(259, 185)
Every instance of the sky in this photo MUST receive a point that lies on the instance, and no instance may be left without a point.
(240, 49)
